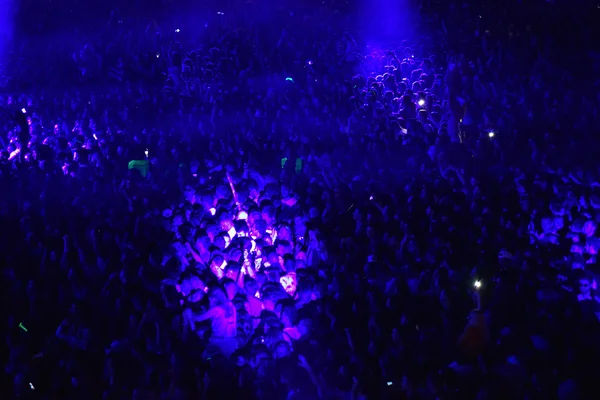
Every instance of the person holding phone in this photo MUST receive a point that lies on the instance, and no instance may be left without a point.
(475, 336)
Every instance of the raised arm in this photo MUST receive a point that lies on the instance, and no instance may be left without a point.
(192, 318)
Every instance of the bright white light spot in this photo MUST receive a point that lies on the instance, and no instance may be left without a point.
(177, 30)
(491, 134)
(213, 211)
(477, 284)
(421, 102)
(231, 233)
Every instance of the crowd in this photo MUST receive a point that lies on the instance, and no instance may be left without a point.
(301, 215)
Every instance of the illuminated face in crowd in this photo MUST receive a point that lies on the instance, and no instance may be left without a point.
(282, 350)
(288, 282)
(584, 286)
(226, 224)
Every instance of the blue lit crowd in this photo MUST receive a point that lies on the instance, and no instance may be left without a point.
(286, 210)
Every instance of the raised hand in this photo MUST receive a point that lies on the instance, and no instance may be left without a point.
(303, 362)
(504, 254)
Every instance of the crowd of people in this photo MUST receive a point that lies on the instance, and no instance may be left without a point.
(243, 211)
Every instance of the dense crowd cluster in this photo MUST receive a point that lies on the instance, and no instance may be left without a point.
(263, 213)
